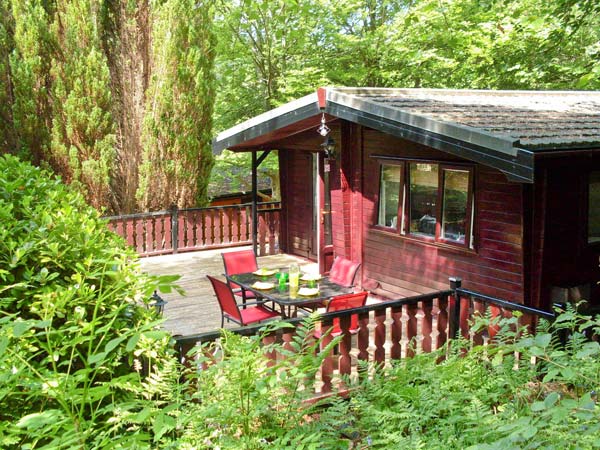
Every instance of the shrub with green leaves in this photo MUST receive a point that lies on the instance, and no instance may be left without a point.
(521, 392)
(247, 401)
(80, 354)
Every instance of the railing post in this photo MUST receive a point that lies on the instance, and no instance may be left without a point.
(454, 327)
(174, 227)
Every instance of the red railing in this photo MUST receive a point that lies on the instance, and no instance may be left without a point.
(182, 230)
(391, 330)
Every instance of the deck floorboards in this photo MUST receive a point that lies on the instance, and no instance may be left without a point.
(197, 311)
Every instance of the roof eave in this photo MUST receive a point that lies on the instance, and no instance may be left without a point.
(500, 152)
(272, 120)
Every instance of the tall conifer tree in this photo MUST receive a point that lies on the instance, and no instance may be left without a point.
(126, 43)
(176, 136)
(83, 129)
(30, 80)
(7, 138)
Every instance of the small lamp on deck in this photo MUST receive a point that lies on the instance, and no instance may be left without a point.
(158, 303)
(329, 148)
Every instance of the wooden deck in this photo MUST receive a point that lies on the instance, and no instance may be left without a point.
(197, 311)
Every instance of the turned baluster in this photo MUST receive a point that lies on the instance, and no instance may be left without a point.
(396, 350)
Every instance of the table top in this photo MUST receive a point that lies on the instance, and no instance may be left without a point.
(285, 297)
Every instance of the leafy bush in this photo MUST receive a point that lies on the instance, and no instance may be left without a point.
(78, 349)
(245, 400)
(522, 392)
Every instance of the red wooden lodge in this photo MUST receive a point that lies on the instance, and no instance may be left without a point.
(499, 188)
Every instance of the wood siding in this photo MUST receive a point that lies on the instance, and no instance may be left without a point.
(297, 193)
(566, 259)
(346, 199)
(401, 266)
(393, 265)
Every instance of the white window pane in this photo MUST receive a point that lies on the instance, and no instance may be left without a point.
(454, 208)
(594, 208)
(423, 198)
(389, 196)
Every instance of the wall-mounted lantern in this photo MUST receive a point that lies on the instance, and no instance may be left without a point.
(329, 148)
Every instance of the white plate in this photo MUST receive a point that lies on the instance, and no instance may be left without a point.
(310, 277)
(264, 272)
(308, 292)
(263, 286)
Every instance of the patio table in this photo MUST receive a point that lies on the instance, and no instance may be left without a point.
(288, 300)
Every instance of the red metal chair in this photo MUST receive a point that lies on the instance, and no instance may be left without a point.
(340, 303)
(343, 271)
(240, 261)
(231, 311)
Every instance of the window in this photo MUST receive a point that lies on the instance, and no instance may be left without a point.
(430, 201)
(423, 195)
(594, 208)
(456, 202)
(389, 195)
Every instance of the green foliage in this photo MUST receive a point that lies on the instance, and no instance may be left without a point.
(499, 45)
(83, 129)
(267, 55)
(82, 363)
(520, 391)
(77, 79)
(177, 129)
(7, 137)
(245, 401)
(29, 78)
(491, 397)
(233, 173)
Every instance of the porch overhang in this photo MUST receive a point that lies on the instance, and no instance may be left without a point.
(256, 133)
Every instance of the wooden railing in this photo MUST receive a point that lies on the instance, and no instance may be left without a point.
(475, 304)
(181, 230)
(390, 330)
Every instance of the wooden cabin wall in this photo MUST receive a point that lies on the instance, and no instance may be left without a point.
(402, 266)
(567, 261)
(297, 192)
(346, 193)
(297, 184)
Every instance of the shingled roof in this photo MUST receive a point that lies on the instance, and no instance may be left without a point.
(502, 129)
(537, 119)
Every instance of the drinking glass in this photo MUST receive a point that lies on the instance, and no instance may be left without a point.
(282, 279)
(294, 275)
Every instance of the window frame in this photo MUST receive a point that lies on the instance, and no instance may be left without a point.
(591, 244)
(469, 206)
(399, 221)
(404, 203)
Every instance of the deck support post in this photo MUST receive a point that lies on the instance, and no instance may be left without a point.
(453, 326)
(254, 202)
(256, 161)
(174, 227)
